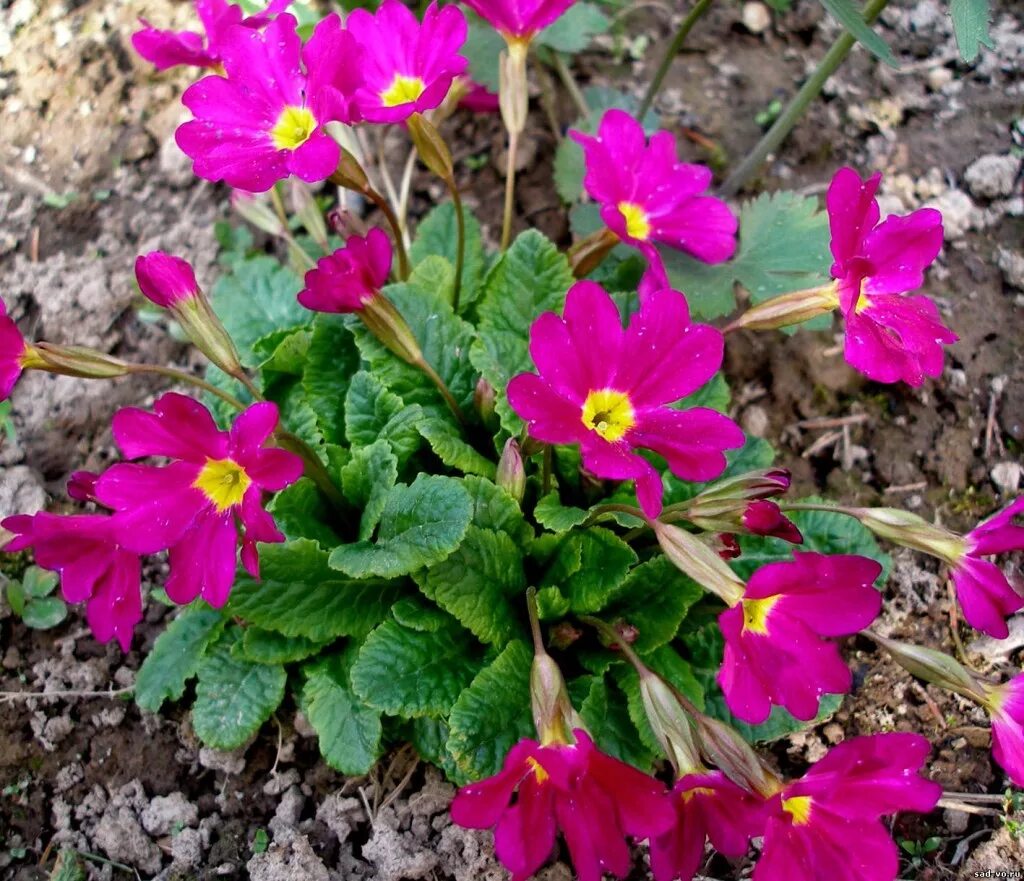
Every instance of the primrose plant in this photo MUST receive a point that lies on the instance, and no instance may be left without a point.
(490, 502)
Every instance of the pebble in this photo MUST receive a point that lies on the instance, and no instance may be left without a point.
(1011, 263)
(993, 176)
(756, 17)
(1006, 476)
(938, 77)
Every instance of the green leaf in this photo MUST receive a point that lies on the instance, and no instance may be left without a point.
(575, 28)
(971, 21)
(270, 647)
(233, 697)
(448, 445)
(300, 595)
(551, 604)
(783, 247)
(349, 731)
(482, 47)
(714, 394)
(437, 236)
(175, 656)
(257, 298)
(284, 352)
(492, 714)
(493, 508)
(655, 598)
(415, 613)
(420, 526)
(38, 582)
(851, 18)
(530, 278)
(604, 560)
(413, 672)
(367, 479)
(550, 513)
(476, 583)
(300, 512)
(44, 613)
(429, 736)
(606, 714)
(16, 597)
(331, 361)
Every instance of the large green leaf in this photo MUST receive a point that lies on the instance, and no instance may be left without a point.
(654, 599)
(300, 595)
(330, 362)
(851, 18)
(493, 508)
(367, 478)
(234, 697)
(270, 647)
(492, 714)
(606, 714)
(971, 20)
(438, 234)
(575, 28)
(477, 582)
(301, 512)
(447, 443)
(411, 673)
(420, 526)
(175, 656)
(373, 413)
(530, 278)
(348, 730)
(589, 568)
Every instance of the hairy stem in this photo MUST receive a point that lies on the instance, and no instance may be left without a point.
(396, 229)
(460, 248)
(670, 53)
(510, 190)
(190, 379)
(442, 387)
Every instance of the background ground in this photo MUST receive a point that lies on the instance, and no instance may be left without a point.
(89, 177)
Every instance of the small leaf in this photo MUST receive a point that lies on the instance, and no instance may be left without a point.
(44, 613)
(373, 413)
(604, 561)
(300, 512)
(551, 514)
(39, 582)
(971, 22)
(448, 445)
(270, 647)
(482, 47)
(851, 18)
(368, 478)
(493, 508)
(16, 597)
(437, 236)
(421, 525)
(575, 28)
(233, 697)
(331, 361)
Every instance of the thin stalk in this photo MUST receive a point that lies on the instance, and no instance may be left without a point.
(406, 187)
(396, 229)
(313, 467)
(670, 54)
(250, 386)
(460, 245)
(442, 387)
(183, 376)
(601, 510)
(615, 639)
(571, 86)
(812, 506)
(510, 190)
(546, 470)
(789, 117)
(534, 615)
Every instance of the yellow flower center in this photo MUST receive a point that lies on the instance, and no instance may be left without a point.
(403, 90)
(693, 793)
(862, 299)
(538, 769)
(755, 614)
(799, 807)
(609, 413)
(293, 128)
(637, 224)
(223, 482)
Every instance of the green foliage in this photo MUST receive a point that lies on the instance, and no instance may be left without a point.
(30, 599)
(851, 18)
(971, 22)
(575, 29)
(437, 236)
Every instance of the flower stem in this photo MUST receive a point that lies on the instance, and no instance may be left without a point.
(396, 229)
(510, 190)
(313, 467)
(183, 376)
(789, 117)
(460, 247)
(812, 506)
(534, 615)
(442, 387)
(571, 86)
(670, 53)
(615, 639)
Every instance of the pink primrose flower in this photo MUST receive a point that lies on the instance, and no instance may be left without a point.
(606, 389)
(13, 350)
(519, 20)
(345, 280)
(827, 824)
(193, 504)
(708, 805)
(164, 279)
(889, 336)
(407, 67)
(265, 119)
(647, 196)
(166, 49)
(776, 647)
(594, 799)
(1006, 706)
(94, 569)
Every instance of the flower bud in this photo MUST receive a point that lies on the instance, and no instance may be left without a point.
(254, 208)
(387, 324)
(910, 531)
(762, 517)
(726, 749)
(671, 724)
(350, 173)
(762, 484)
(74, 361)
(726, 546)
(553, 713)
(484, 399)
(431, 148)
(82, 486)
(933, 666)
(164, 279)
(789, 309)
(689, 554)
(511, 475)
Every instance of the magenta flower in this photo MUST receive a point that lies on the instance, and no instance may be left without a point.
(407, 67)
(594, 799)
(94, 569)
(519, 20)
(889, 336)
(479, 99)
(167, 49)
(347, 279)
(606, 388)
(762, 517)
(265, 119)
(1005, 704)
(164, 279)
(826, 825)
(647, 196)
(13, 351)
(774, 647)
(191, 505)
(708, 805)
(985, 594)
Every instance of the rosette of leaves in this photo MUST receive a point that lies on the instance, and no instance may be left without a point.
(401, 615)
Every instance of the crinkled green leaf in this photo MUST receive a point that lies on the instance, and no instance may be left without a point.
(416, 613)
(605, 711)
(604, 560)
(575, 28)
(654, 599)
(552, 604)
(477, 583)
(420, 526)
(233, 697)
(285, 352)
(493, 508)
(437, 236)
(448, 445)
(411, 673)
(373, 413)
(348, 730)
(301, 512)
(270, 647)
(492, 714)
(175, 656)
(851, 18)
(44, 613)
(300, 595)
(550, 513)
(331, 361)
(367, 479)
(971, 22)
(714, 394)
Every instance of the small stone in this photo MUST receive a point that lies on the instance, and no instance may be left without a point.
(1006, 476)
(993, 176)
(956, 821)
(1011, 263)
(938, 77)
(755, 421)
(21, 492)
(216, 760)
(187, 848)
(165, 812)
(122, 839)
(959, 213)
(756, 17)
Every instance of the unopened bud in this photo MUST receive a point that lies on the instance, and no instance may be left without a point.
(932, 666)
(564, 635)
(82, 486)
(670, 723)
(789, 309)
(726, 749)
(513, 89)
(387, 324)
(255, 208)
(726, 546)
(689, 554)
(906, 529)
(762, 484)
(589, 253)
(553, 713)
(484, 399)
(73, 361)
(350, 174)
(432, 149)
(511, 475)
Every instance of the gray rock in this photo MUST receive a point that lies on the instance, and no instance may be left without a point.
(993, 176)
(187, 848)
(294, 862)
(165, 812)
(20, 491)
(1012, 265)
(120, 836)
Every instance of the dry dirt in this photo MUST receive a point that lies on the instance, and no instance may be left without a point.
(90, 178)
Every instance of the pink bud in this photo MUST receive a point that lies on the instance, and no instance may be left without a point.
(164, 279)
